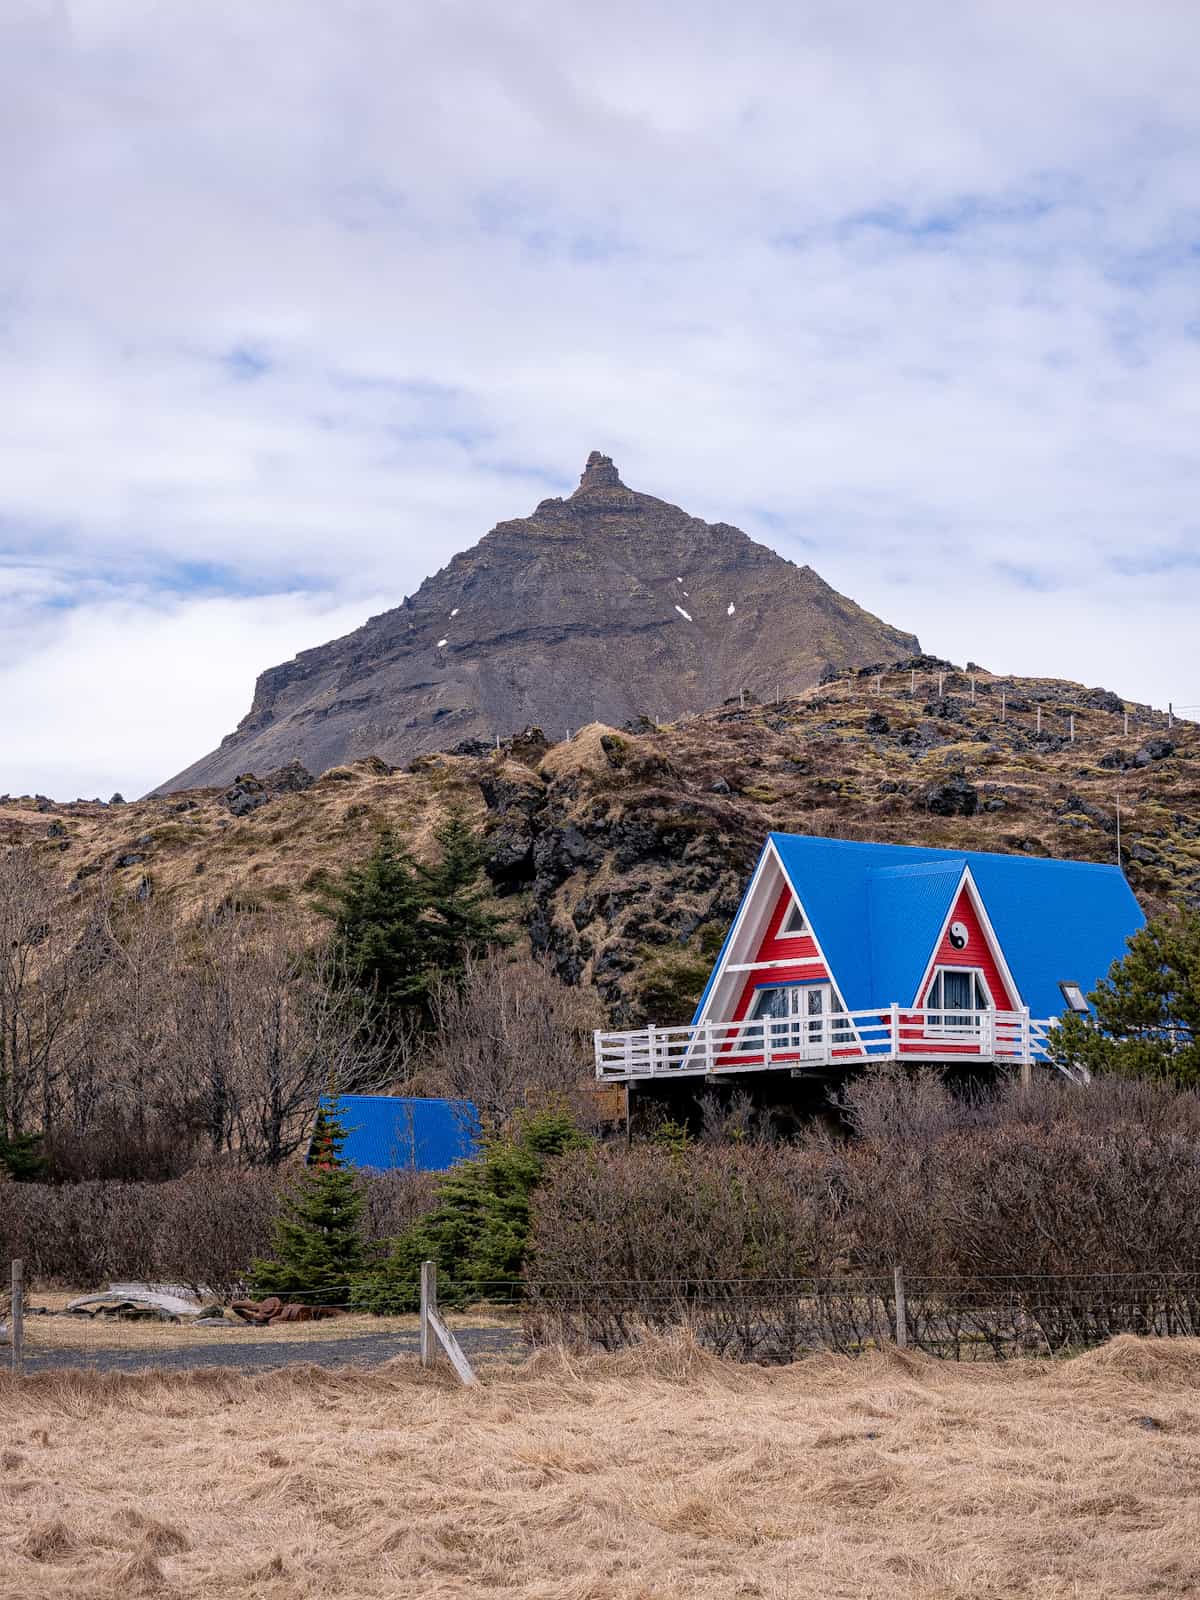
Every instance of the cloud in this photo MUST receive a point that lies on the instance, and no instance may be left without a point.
(296, 300)
(107, 695)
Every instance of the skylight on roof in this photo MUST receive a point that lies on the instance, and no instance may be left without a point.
(1074, 996)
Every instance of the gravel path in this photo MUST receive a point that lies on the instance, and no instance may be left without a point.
(358, 1350)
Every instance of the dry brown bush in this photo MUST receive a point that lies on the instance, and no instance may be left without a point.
(656, 1472)
(203, 1229)
(1021, 1221)
(508, 1034)
(140, 1043)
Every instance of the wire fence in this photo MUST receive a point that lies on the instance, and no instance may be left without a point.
(763, 1320)
(1049, 714)
(779, 1320)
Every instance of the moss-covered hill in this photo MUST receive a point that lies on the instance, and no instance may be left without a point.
(623, 853)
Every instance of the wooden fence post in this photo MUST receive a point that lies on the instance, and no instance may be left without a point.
(434, 1331)
(428, 1304)
(901, 1309)
(17, 1317)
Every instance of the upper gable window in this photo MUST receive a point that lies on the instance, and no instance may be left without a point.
(793, 922)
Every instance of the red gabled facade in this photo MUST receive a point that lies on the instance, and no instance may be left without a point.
(802, 963)
(977, 953)
(799, 950)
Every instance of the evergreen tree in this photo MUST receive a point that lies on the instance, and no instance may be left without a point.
(21, 1156)
(463, 923)
(1147, 1022)
(379, 935)
(318, 1239)
(400, 925)
(478, 1232)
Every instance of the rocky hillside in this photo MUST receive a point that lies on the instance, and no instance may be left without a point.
(600, 607)
(623, 852)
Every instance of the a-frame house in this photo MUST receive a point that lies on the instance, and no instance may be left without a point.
(843, 950)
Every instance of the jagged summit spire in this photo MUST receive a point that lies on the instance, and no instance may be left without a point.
(599, 474)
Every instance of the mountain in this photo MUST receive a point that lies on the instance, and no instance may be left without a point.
(606, 606)
(622, 856)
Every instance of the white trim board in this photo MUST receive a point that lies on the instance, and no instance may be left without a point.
(765, 966)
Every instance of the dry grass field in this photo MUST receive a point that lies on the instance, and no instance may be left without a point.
(653, 1474)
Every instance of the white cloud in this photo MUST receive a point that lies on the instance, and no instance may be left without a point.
(299, 294)
(118, 694)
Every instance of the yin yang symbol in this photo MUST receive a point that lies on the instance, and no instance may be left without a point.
(959, 935)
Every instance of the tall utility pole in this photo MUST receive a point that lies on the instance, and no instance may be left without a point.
(1118, 825)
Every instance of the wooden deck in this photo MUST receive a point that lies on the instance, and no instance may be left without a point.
(838, 1038)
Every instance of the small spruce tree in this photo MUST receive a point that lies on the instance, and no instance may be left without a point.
(400, 925)
(478, 1232)
(379, 937)
(463, 923)
(318, 1244)
(21, 1156)
(1147, 1010)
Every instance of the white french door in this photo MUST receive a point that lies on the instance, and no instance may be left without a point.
(817, 1002)
(797, 1017)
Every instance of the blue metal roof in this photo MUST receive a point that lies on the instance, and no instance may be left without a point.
(877, 910)
(390, 1131)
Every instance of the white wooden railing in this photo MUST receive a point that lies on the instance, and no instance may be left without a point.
(893, 1033)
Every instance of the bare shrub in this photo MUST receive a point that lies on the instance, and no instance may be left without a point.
(897, 1106)
(509, 1034)
(737, 1119)
(1028, 1219)
(81, 1233)
(202, 1230)
(213, 1223)
(394, 1201)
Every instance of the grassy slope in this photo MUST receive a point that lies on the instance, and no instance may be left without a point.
(636, 861)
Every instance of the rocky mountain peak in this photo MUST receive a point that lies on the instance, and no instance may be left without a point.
(598, 477)
(608, 607)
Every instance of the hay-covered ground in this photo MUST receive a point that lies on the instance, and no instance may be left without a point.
(650, 1474)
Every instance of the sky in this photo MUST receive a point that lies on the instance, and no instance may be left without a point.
(298, 298)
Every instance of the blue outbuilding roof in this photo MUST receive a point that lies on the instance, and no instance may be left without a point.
(877, 911)
(387, 1132)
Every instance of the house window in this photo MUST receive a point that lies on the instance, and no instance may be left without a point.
(1074, 996)
(794, 922)
(959, 994)
(810, 1012)
(768, 1004)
